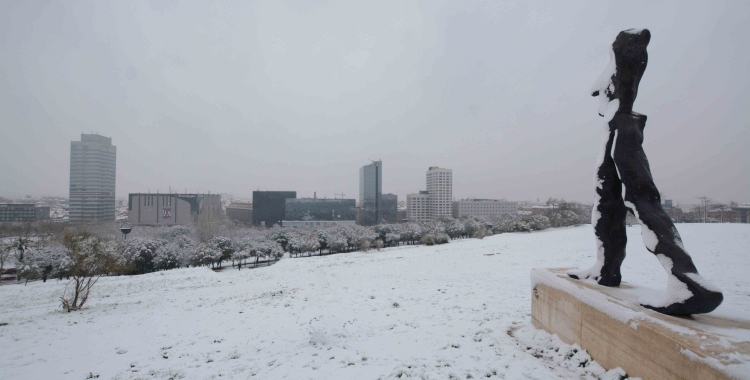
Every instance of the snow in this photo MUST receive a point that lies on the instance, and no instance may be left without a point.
(455, 310)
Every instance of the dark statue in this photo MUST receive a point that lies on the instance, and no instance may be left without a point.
(624, 184)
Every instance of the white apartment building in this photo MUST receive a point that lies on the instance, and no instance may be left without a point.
(417, 207)
(436, 201)
(484, 208)
(440, 190)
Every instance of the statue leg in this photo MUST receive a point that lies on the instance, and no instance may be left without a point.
(687, 292)
(608, 219)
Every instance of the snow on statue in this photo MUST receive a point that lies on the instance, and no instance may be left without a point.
(624, 183)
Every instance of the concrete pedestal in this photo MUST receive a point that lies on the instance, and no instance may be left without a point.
(617, 332)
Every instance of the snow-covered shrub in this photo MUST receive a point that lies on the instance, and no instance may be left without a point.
(204, 254)
(537, 222)
(392, 239)
(270, 250)
(455, 228)
(378, 244)
(563, 218)
(245, 249)
(170, 233)
(169, 256)
(138, 254)
(46, 260)
(514, 225)
(225, 246)
(428, 239)
(336, 242)
(281, 236)
(442, 238)
(310, 244)
(480, 233)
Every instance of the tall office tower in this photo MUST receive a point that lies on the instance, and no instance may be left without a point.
(370, 193)
(440, 190)
(92, 179)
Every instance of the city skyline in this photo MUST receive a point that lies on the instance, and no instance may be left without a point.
(498, 92)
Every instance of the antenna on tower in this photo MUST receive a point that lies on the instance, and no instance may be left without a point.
(335, 195)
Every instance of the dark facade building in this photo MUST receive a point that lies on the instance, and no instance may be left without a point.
(370, 193)
(269, 207)
(240, 212)
(320, 209)
(170, 209)
(22, 212)
(389, 208)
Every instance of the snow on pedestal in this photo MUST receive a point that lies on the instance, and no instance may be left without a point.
(617, 332)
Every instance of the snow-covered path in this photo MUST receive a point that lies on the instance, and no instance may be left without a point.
(425, 312)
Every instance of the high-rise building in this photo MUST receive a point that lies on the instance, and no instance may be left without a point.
(440, 190)
(436, 201)
(370, 193)
(92, 179)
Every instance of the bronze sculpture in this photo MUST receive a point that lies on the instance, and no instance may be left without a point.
(624, 183)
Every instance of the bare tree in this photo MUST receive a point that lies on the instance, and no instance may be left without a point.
(88, 258)
(705, 202)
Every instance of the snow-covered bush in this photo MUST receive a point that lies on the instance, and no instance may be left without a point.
(169, 256)
(537, 222)
(225, 246)
(563, 218)
(392, 239)
(170, 233)
(138, 254)
(45, 262)
(204, 254)
(336, 242)
(310, 244)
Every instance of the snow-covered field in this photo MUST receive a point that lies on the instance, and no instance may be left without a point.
(460, 310)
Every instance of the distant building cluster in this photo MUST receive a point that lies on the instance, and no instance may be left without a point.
(93, 162)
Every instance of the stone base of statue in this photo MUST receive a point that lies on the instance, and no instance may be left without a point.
(617, 332)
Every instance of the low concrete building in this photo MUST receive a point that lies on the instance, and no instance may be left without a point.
(240, 212)
(418, 207)
(741, 213)
(317, 223)
(170, 209)
(23, 212)
(484, 208)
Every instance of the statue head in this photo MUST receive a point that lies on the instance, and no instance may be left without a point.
(621, 78)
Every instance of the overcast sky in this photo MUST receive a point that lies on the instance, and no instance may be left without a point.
(297, 95)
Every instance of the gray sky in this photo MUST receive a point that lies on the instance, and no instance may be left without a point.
(297, 95)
